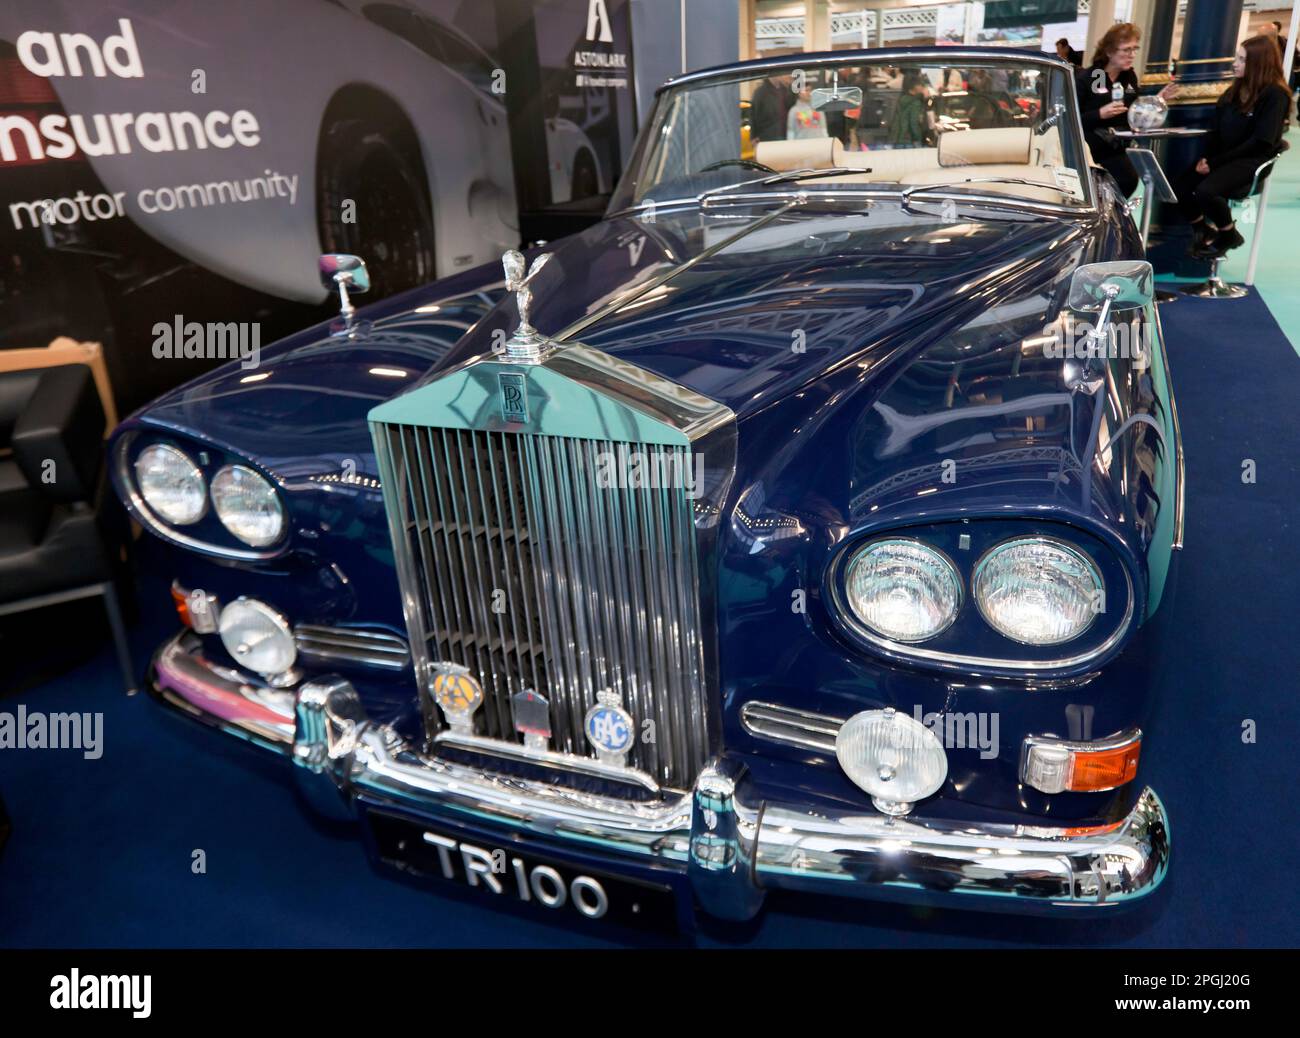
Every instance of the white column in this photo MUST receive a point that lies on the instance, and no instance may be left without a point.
(816, 25)
(1263, 196)
(1101, 19)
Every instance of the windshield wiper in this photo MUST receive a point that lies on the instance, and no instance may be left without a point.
(907, 192)
(779, 178)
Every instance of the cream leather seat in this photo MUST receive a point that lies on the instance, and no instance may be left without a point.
(961, 155)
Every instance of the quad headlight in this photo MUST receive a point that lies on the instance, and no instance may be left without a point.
(1037, 590)
(247, 506)
(903, 590)
(171, 484)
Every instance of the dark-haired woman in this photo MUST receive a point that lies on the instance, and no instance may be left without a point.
(1106, 90)
(1247, 131)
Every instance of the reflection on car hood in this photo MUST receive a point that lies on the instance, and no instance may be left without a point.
(786, 302)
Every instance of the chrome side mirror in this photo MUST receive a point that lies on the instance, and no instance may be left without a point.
(1107, 287)
(344, 274)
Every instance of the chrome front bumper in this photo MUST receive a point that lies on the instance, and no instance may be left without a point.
(730, 843)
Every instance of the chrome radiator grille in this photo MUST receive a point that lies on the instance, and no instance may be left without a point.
(516, 563)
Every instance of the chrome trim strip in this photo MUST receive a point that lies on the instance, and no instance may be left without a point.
(352, 645)
(1180, 473)
(874, 56)
(561, 762)
(797, 727)
(839, 193)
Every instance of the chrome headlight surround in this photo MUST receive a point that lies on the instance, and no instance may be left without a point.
(248, 519)
(970, 646)
(207, 536)
(1070, 554)
(906, 552)
(183, 470)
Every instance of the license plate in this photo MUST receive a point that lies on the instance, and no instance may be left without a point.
(502, 872)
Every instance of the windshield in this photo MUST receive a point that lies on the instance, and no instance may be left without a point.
(996, 125)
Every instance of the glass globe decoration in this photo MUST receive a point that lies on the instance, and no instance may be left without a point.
(1148, 113)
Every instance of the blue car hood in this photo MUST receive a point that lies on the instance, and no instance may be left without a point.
(819, 287)
(785, 303)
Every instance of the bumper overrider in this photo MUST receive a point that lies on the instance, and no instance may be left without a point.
(724, 840)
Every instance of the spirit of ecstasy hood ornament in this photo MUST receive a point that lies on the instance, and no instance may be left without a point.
(527, 344)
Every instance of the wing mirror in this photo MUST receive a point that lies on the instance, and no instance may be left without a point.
(1105, 289)
(345, 274)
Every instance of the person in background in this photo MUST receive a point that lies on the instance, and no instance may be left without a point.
(1295, 62)
(768, 108)
(1067, 53)
(1106, 89)
(1246, 130)
(804, 121)
(911, 120)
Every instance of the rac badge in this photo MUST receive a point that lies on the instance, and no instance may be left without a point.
(609, 728)
(457, 694)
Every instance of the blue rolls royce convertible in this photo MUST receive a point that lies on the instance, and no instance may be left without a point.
(801, 526)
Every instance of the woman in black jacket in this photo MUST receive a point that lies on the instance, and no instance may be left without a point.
(1106, 89)
(1247, 130)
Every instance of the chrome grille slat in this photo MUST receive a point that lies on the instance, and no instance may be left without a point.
(600, 583)
(362, 646)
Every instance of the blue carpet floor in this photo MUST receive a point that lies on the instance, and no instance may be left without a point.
(101, 851)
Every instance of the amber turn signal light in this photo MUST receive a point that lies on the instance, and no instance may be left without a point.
(197, 609)
(1059, 766)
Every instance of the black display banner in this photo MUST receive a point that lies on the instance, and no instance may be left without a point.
(823, 988)
(1009, 14)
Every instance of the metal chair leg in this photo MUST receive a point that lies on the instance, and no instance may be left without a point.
(114, 609)
(1216, 287)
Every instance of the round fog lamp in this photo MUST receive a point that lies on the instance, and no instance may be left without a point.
(893, 757)
(257, 637)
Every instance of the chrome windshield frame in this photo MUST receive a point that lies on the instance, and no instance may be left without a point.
(946, 56)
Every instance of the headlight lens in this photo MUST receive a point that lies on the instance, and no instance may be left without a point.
(903, 590)
(171, 485)
(257, 636)
(893, 757)
(247, 505)
(1037, 591)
